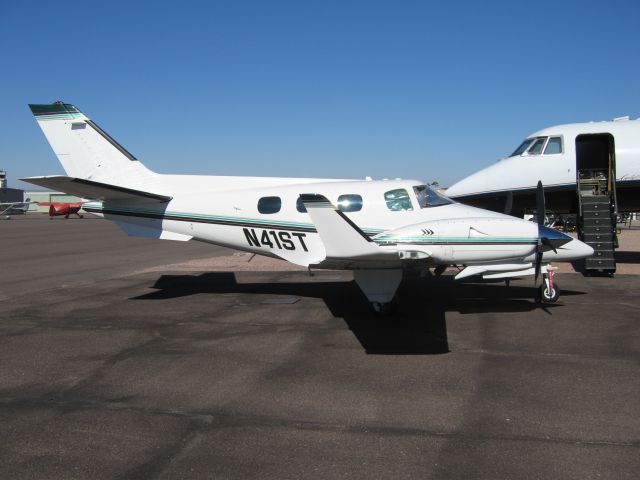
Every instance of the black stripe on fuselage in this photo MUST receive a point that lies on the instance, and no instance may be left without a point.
(160, 216)
(184, 218)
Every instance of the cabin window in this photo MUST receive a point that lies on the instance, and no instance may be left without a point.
(553, 146)
(350, 203)
(428, 197)
(269, 204)
(536, 147)
(398, 200)
(300, 206)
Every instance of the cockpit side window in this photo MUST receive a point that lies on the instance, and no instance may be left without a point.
(536, 147)
(398, 200)
(553, 146)
(427, 197)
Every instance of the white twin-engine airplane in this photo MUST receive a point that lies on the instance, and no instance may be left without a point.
(378, 229)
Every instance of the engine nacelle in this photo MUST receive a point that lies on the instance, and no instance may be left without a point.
(466, 240)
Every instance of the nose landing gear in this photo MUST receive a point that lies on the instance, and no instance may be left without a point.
(548, 291)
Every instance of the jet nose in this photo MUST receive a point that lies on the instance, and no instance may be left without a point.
(473, 184)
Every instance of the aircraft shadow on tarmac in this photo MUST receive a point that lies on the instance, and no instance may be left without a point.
(627, 257)
(621, 256)
(418, 327)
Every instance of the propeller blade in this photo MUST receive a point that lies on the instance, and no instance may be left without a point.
(545, 241)
(538, 267)
(540, 208)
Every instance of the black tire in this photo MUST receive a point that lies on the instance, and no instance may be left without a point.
(546, 296)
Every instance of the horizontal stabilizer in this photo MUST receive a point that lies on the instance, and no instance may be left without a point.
(94, 190)
(341, 237)
(151, 231)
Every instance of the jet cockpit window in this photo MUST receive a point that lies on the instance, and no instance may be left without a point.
(398, 200)
(269, 204)
(428, 197)
(554, 145)
(350, 203)
(523, 146)
(536, 146)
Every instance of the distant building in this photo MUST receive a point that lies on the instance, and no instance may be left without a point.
(8, 195)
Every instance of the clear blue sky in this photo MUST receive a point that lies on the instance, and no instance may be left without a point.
(413, 89)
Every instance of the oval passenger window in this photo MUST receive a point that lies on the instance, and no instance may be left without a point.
(350, 203)
(269, 204)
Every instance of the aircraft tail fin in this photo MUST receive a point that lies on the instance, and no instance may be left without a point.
(85, 150)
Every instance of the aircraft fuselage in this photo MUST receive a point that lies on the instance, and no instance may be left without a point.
(509, 185)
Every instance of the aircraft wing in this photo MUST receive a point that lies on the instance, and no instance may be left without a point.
(94, 190)
(343, 240)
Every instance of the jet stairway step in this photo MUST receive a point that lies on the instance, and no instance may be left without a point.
(594, 237)
(595, 199)
(596, 222)
(603, 255)
(596, 210)
(600, 264)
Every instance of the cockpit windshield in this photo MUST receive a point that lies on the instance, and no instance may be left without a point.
(535, 146)
(428, 197)
(523, 147)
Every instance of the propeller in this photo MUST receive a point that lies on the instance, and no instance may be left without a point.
(548, 238)
(540, 214)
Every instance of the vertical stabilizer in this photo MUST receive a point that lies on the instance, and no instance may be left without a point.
(85, 150)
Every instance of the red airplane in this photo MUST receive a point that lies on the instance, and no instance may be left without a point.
(57, 209)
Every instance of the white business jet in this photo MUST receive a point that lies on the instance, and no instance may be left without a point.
(378, 229)
(566, 158)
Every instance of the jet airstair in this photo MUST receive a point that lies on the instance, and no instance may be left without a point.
(596, 221)
(595, 166)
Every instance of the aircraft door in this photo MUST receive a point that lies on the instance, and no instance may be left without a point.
(595, 164)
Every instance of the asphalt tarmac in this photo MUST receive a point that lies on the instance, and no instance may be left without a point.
(117, 362)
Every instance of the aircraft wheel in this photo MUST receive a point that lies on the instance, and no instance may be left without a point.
(81, 216)
(547, 296)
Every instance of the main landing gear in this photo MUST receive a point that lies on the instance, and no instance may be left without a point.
(384, 309)
(379, 286)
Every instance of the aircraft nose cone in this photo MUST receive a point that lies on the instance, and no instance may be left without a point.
(555, 238)
(567, 247)
(578, 249)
